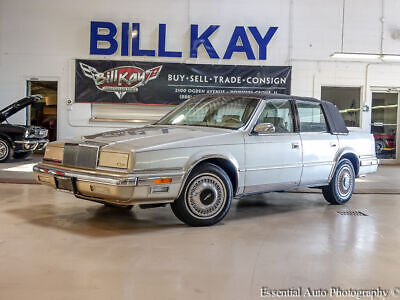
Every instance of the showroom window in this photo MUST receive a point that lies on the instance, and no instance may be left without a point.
(128, 113)
(347, 99)
(311, 117)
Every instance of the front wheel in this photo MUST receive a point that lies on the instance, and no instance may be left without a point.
(6, 151)
(206, 197)
(341, 187)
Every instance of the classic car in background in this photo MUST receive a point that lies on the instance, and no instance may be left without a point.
(212, 148)
(384, 142)
(19, 141)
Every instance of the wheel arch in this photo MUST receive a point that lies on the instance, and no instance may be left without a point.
(228, 164)
(7, 138)
(350, 155)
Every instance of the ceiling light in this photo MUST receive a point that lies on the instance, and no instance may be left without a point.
(391, 57)
(353, 56)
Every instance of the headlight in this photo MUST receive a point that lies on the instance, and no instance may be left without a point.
(113, 159)
(36, 132)
(43, 132)
(54, 153)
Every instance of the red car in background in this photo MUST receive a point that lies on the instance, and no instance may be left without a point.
(384, 142)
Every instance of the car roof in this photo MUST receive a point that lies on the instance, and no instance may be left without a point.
(264, 96)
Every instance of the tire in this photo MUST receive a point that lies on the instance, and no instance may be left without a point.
(22, 155)
(206, 196)
(341, 187)
(379, 145)
(6, 151)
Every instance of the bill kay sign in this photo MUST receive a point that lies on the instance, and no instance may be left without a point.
(112, 81)
(104, 40)
(157, 83)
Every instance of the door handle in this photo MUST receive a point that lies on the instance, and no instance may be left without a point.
(333, 144)
(295, 145)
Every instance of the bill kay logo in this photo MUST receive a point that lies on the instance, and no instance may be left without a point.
(120, 80)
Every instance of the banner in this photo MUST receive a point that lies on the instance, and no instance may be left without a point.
(157, 83)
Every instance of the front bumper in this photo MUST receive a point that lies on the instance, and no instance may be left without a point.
(30, 145)
(122, 189)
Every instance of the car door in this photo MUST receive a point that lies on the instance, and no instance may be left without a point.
(273, 160)
(319, 145)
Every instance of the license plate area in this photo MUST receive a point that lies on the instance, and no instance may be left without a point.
(66, 184)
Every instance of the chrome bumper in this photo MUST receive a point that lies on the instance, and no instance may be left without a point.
(81, 176)
(31, 145)
(117, 189)
(368, 161)
(368, 164)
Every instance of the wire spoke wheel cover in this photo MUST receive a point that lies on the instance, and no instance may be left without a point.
(3, 150)
(345, 181)
(205, 196)
(341, 186)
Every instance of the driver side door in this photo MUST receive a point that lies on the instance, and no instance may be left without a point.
(273, 161)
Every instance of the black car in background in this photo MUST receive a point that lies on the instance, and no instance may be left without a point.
(19, 141)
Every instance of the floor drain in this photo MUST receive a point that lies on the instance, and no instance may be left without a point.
(355, 213)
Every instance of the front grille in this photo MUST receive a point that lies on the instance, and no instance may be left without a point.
(82, 156)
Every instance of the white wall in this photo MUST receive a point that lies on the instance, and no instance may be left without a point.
(42, 38)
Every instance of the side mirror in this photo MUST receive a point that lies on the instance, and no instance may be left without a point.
(264, 128)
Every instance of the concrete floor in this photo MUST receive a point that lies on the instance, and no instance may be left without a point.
(19, 170)
(54, 246)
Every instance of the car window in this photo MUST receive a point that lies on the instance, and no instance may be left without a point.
(278, 113)
(213, 111)
(311, 117)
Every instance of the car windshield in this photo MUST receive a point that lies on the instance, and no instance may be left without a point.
(213, 111)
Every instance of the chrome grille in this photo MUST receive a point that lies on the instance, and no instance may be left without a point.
(82, 156)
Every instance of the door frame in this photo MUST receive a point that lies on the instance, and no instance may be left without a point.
(388, 90)
(27, 80)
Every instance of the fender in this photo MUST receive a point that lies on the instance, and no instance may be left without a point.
(8, 138)
(339, 155)
(199, 157)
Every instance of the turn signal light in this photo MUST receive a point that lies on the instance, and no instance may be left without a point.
(162, 180)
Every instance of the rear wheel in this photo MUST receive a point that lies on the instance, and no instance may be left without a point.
(6, 151)
(206, 197)
(341, 187)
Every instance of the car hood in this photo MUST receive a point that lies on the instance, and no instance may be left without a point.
(161, 137)
(16, 106)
